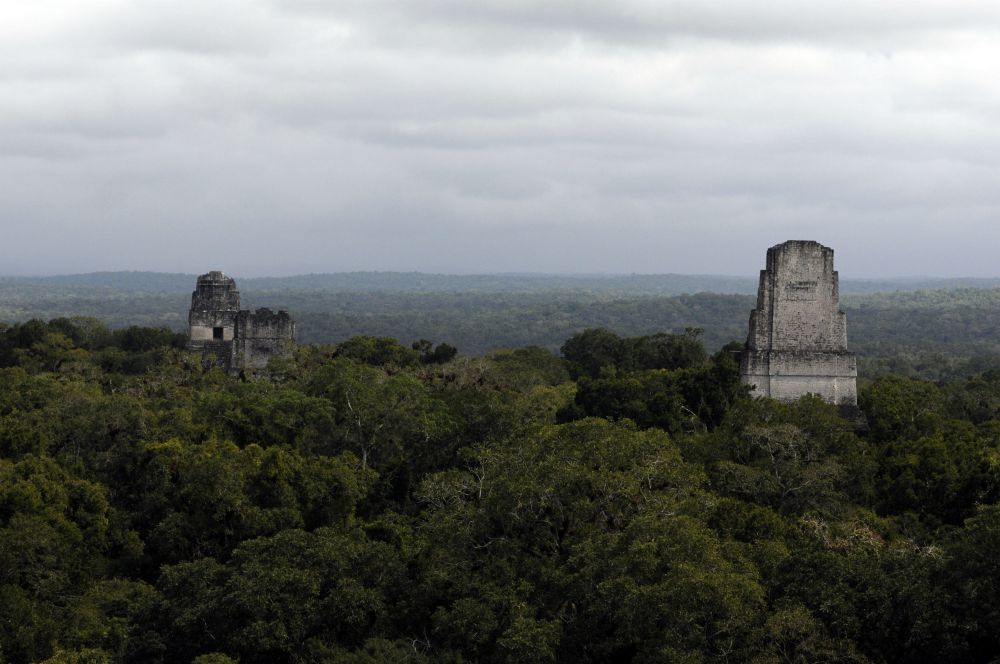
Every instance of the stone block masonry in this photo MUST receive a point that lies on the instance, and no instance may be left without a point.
(261, 335)
(229, 337)
(797, 342)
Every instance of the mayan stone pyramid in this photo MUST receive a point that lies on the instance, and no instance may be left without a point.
(798, 335)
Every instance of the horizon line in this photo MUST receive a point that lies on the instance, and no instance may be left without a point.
(516, 274)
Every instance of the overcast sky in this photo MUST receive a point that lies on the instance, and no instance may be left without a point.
(289, 136)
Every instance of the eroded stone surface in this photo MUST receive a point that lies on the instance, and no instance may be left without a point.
(261, 335)
(230, 337)
(798, 336)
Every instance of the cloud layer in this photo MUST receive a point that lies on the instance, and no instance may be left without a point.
(285, 136)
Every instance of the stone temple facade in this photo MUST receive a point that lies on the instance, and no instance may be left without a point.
(230, 338)
(798, 334)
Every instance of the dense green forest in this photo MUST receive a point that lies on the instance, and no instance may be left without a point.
(622, 500)
(938, 334)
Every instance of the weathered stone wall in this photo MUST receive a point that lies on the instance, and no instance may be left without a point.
(797, 342)
(787, 375)
(231, 338)
(215, 303)
(260, 336)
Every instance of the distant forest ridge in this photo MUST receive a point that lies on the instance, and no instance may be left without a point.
(419, 282)
(935, 334)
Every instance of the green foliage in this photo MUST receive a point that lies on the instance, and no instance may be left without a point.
(202, 500)
(213, 658)
(53, 536)
(387, 419)
(280, 595)
(902, 408)
(85, 656)
(793, 458)
(600, 352)
(534, 364)
(379, 502)
(933, 463)
(434, 355)
(378, 351)
(119, 616)
(60, 345)
(973, 579)
(135, 339)
(267, 415)
(651, 399)
(579, 509)
(662, 381)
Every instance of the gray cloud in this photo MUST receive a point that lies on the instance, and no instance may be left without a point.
(517, 23)
(287, 136)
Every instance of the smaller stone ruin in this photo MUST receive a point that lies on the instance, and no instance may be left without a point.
(234, 339)
(798, 335)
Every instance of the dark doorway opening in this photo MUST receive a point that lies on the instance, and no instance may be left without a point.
(217, 333)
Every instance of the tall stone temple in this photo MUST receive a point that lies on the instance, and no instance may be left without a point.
(231, 338)
(798, 334)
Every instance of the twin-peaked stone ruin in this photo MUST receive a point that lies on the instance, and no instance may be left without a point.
(230, 338)
(798, 334)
